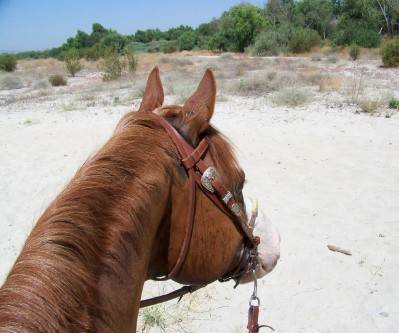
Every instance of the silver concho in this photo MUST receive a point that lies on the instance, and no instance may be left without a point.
(236, 210)
(207, 178)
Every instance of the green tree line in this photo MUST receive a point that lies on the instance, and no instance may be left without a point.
(278, 26)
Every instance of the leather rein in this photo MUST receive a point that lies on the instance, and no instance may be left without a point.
(208, 180)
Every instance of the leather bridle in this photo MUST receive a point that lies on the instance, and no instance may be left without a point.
(208, 180)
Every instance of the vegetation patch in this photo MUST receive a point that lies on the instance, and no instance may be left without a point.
(57, 80)
(72, 62)
(8, 62)
(10, 81)
(394, 103)
(390, 53)
(259, 85)
(293, 97)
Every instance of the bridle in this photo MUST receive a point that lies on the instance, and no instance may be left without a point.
(208, 180)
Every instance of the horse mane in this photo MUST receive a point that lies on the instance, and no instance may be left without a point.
(92, 226)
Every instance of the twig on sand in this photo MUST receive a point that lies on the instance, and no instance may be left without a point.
(338, 249)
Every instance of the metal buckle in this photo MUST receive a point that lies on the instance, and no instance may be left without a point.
(227, 198)
(210, 174)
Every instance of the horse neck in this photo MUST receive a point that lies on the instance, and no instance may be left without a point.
(83, 267)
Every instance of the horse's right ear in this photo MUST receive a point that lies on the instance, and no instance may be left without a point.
(153, 95)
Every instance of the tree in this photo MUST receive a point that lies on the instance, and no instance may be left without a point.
(187, 40)
(174, 33)
(114, 41)
(240, 24)
(98, 32)
(317, 15)
(278, 12)
(390, 12)
(359, 23)
(82, 40)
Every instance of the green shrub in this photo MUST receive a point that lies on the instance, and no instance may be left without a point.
(57, 80)
(390, 53)
(332, 59)
(112, 67)
(303, 40)
(95, 52)
(269, 43)
(354, 51)
(169, 48)
(357, 32)
(8, 62)
(187, 40)
(394, 103)
(72, 62)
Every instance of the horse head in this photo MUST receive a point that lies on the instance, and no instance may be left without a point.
(216, 244)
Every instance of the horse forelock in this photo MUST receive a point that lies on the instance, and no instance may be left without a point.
(224, 159)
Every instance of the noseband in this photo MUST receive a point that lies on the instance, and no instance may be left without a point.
(208, 180)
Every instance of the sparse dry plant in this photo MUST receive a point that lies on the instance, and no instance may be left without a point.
(330, 83)
(111, 66)
(368, 105)
(293, 97)
(259, 84)
(10, 81)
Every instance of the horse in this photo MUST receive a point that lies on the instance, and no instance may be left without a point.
(133, 212)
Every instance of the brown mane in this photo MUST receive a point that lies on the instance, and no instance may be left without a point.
(92, 228)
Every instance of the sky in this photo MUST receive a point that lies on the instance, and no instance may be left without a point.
(43, 24)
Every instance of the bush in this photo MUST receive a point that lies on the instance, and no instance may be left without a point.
(112, 67)
(8, 62)
(303, 40)
(9, 81)
(356, 32)
(394, 103)
(57, 80)
(72, 62)
(390, 53)
(269, 43)
(169, 48)
(131, 60)
(354, 52)
(187, 40)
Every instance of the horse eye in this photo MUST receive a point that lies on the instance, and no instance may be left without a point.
(241, 187)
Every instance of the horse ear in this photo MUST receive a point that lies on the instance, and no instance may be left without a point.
(153, 95)
(198, 109)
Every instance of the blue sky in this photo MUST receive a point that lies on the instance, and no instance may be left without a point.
(41, 24)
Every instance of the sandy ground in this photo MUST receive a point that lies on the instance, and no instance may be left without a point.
(325, 176)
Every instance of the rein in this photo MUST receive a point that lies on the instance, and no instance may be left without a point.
(208, 180)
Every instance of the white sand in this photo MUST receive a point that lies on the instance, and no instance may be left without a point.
(323, 176)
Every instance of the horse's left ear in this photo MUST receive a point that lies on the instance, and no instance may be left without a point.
(153, 94)
(198, 109)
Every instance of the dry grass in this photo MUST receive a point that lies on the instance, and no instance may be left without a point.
(282, 80)
(293, 97)
(329, 83)
(184, 316)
